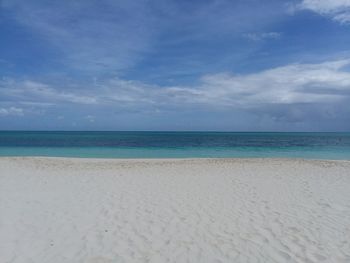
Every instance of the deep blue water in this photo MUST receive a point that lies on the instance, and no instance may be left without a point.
(175, 144)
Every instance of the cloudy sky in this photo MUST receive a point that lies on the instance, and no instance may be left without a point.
(235, 65)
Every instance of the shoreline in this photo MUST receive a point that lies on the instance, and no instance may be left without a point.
(117, 159)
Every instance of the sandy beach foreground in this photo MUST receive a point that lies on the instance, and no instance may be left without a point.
(61, 210)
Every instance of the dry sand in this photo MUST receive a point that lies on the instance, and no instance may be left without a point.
(56, 210)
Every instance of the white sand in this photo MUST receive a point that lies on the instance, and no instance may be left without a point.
(257, 210)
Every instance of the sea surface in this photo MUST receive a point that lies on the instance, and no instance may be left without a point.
(176, 144)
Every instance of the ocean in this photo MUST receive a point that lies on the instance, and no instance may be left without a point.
(176, 144)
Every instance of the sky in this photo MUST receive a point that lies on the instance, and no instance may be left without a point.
(182, 65)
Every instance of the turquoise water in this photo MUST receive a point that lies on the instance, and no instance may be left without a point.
(176, 144)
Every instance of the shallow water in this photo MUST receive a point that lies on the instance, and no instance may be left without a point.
(175, 144)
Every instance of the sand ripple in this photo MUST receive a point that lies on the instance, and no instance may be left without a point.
(99, 211)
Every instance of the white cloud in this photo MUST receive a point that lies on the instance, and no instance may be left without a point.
(11, 111)
(296, 83)
(327, 82)
(339, 10)
(90, 118)
(262, 36)
(32, 93)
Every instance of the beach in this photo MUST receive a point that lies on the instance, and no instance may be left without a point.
(71, 210)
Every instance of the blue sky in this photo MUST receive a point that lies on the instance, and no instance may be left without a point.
(239, 65)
